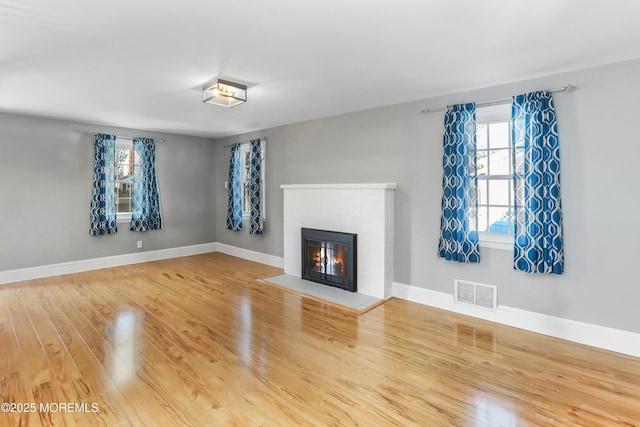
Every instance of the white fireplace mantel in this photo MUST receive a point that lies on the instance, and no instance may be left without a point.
(383, 186)
(364, 209)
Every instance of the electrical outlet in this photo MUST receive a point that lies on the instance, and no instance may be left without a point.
(139, 244)
(226, 185)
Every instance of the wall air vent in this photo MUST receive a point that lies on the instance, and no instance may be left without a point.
(478, 294)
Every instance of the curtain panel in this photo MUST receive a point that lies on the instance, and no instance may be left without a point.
(102, 211)
(458, 221)
(539, 244)
(256, 219)
(146, 212)
(234, 205)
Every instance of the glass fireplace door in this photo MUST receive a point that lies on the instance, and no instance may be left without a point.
(328, 261)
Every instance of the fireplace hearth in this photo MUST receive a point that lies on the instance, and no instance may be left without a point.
(329, 257)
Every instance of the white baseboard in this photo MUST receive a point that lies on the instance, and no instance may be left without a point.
(262, 258)
(39, 272)
(584, 333)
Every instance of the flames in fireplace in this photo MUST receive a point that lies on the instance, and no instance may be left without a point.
(334, 263)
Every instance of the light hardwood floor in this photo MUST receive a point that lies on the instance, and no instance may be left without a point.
(198, 341)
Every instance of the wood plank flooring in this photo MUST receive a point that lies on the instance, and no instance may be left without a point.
(198, 341)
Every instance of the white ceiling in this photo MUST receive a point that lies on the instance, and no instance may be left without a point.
(141, 63)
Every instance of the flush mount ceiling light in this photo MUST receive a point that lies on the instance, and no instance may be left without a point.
(224, 93)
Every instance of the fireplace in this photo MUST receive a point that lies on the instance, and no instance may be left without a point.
(329, 257)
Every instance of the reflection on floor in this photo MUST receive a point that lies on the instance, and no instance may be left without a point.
(198, 341)
(352, 300)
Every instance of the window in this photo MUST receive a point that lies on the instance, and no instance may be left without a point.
(246, 186)
(494, 156)
(125, 186)
(127, 164)
(245, 163)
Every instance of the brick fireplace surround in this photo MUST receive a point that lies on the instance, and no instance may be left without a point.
(364, 209)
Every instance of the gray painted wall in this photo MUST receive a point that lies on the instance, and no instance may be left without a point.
(600, 149)
(46, 168)
(46, 171)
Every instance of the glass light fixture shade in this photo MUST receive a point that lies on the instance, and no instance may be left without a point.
(224, 93)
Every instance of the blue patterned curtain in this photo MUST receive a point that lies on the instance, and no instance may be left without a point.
(458, 222)
(234, 209)
(103, 199)
(538, 214)
(256, 222)
(146, 213)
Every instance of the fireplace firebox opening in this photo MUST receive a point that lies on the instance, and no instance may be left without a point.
(330, 258)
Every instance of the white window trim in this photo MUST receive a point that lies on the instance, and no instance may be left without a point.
(244, 148)
(496, 240)
(122, 217)
(488, 114)
(127, 144)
